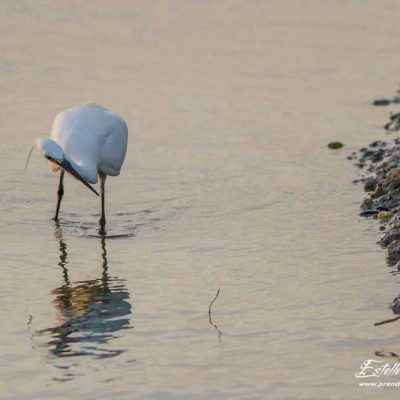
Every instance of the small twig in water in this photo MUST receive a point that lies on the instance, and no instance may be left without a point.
(219, 333)
(386, 321)
(212, 302)
(383, 353)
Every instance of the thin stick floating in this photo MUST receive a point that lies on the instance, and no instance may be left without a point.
(219, 333)
(386, 321)
(212, 302)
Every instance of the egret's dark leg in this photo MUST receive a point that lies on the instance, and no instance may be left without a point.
(102, 193)
(60, 193)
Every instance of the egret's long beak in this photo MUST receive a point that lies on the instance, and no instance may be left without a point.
(66, 166)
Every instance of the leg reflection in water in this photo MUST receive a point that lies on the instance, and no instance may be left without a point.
(89, 313)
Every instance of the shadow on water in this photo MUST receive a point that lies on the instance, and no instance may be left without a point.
(89, 313)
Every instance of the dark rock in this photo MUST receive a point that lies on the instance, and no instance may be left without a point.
(370, 184)
(381, 102)
(394, 224)
(375, 144)
(369, 213)
(335, 145)
(394, 187)
(390, 237)
(377, 157)
(382, 208)
(368, 153)
(379, 192)
(367, 204)
(393, 252)
(395, 306)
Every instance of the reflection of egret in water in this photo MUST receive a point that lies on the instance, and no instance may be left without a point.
(89, 312)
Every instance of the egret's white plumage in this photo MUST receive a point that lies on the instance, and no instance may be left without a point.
(93, 138)
(88, 142)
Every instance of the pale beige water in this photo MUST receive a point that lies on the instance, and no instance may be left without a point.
(227, 183)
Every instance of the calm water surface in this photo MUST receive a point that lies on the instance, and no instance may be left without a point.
(227, 183)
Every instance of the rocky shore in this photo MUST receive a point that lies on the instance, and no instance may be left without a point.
(379, 165)
(380, 176)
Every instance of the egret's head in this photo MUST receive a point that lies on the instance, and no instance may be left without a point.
(50, 149)
(55, 155)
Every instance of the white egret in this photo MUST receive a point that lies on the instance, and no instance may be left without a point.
(87, 142)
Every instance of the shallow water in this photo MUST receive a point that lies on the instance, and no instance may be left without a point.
(227, 183)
